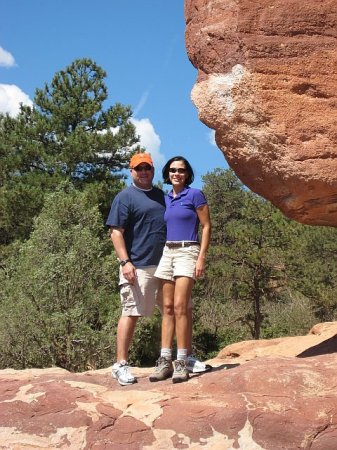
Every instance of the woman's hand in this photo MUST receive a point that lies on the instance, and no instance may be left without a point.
(200, 268)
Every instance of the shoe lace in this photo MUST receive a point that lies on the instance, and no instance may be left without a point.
(179, 365)
(161, 362)
(124, 370)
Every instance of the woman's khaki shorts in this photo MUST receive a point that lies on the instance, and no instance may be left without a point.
(178, 262)
(140, 299)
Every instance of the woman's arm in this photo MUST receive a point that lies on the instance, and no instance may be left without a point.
(205, 221)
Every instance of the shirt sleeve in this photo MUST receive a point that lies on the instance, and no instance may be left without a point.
(119, 212)
(199, 199)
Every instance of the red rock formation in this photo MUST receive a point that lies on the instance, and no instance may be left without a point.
(259, 396)
(267, 78)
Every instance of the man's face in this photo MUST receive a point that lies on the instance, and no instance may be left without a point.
(142, 175)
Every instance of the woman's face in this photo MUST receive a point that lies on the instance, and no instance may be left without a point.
(178, 173)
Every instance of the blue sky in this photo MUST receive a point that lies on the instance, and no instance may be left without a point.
(139, 43)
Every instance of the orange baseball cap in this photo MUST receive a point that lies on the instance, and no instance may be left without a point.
(140, 158)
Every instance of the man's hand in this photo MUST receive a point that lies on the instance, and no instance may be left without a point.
(129, 272)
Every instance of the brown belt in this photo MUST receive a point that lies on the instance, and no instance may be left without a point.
(181, 244)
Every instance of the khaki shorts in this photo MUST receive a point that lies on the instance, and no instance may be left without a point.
(178, 262)
(140, 299)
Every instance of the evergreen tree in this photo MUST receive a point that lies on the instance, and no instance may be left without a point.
(257, 259)
(225, 195)
(66, 135)
(246, 265)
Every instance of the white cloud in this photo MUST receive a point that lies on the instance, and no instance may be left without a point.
(150, 140)
(10, 98)
(6, 59)
(211, 138)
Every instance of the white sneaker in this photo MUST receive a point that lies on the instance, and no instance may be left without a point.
(193, 365)
(121, 371)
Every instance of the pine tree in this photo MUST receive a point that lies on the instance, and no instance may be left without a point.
(66, 135)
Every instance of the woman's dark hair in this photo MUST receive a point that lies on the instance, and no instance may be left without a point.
(166, 168)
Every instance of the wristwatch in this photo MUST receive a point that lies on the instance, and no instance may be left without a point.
(124, 261)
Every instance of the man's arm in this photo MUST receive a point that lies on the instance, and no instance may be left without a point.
(117, 237)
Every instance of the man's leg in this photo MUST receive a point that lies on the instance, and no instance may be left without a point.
(121, 370)
(125, 331)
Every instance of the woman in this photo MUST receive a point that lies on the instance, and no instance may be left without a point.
(183, 261)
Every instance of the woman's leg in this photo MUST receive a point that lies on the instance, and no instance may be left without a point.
(190, 330)
(164, 368)
(168, 319)
(182, 294)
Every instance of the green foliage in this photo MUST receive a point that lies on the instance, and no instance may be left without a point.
(313, 269)
(291, 317)
(66, 136)
(58, 297)
(247, 252)
(266, 275)
(226, 196)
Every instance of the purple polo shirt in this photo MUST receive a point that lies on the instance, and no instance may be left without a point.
(181, 218)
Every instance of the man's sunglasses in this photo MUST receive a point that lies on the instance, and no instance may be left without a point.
(140, 168)
(174, 170)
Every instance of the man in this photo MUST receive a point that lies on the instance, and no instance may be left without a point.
(138, 233)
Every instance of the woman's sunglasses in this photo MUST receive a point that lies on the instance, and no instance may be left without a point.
(174, 170)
